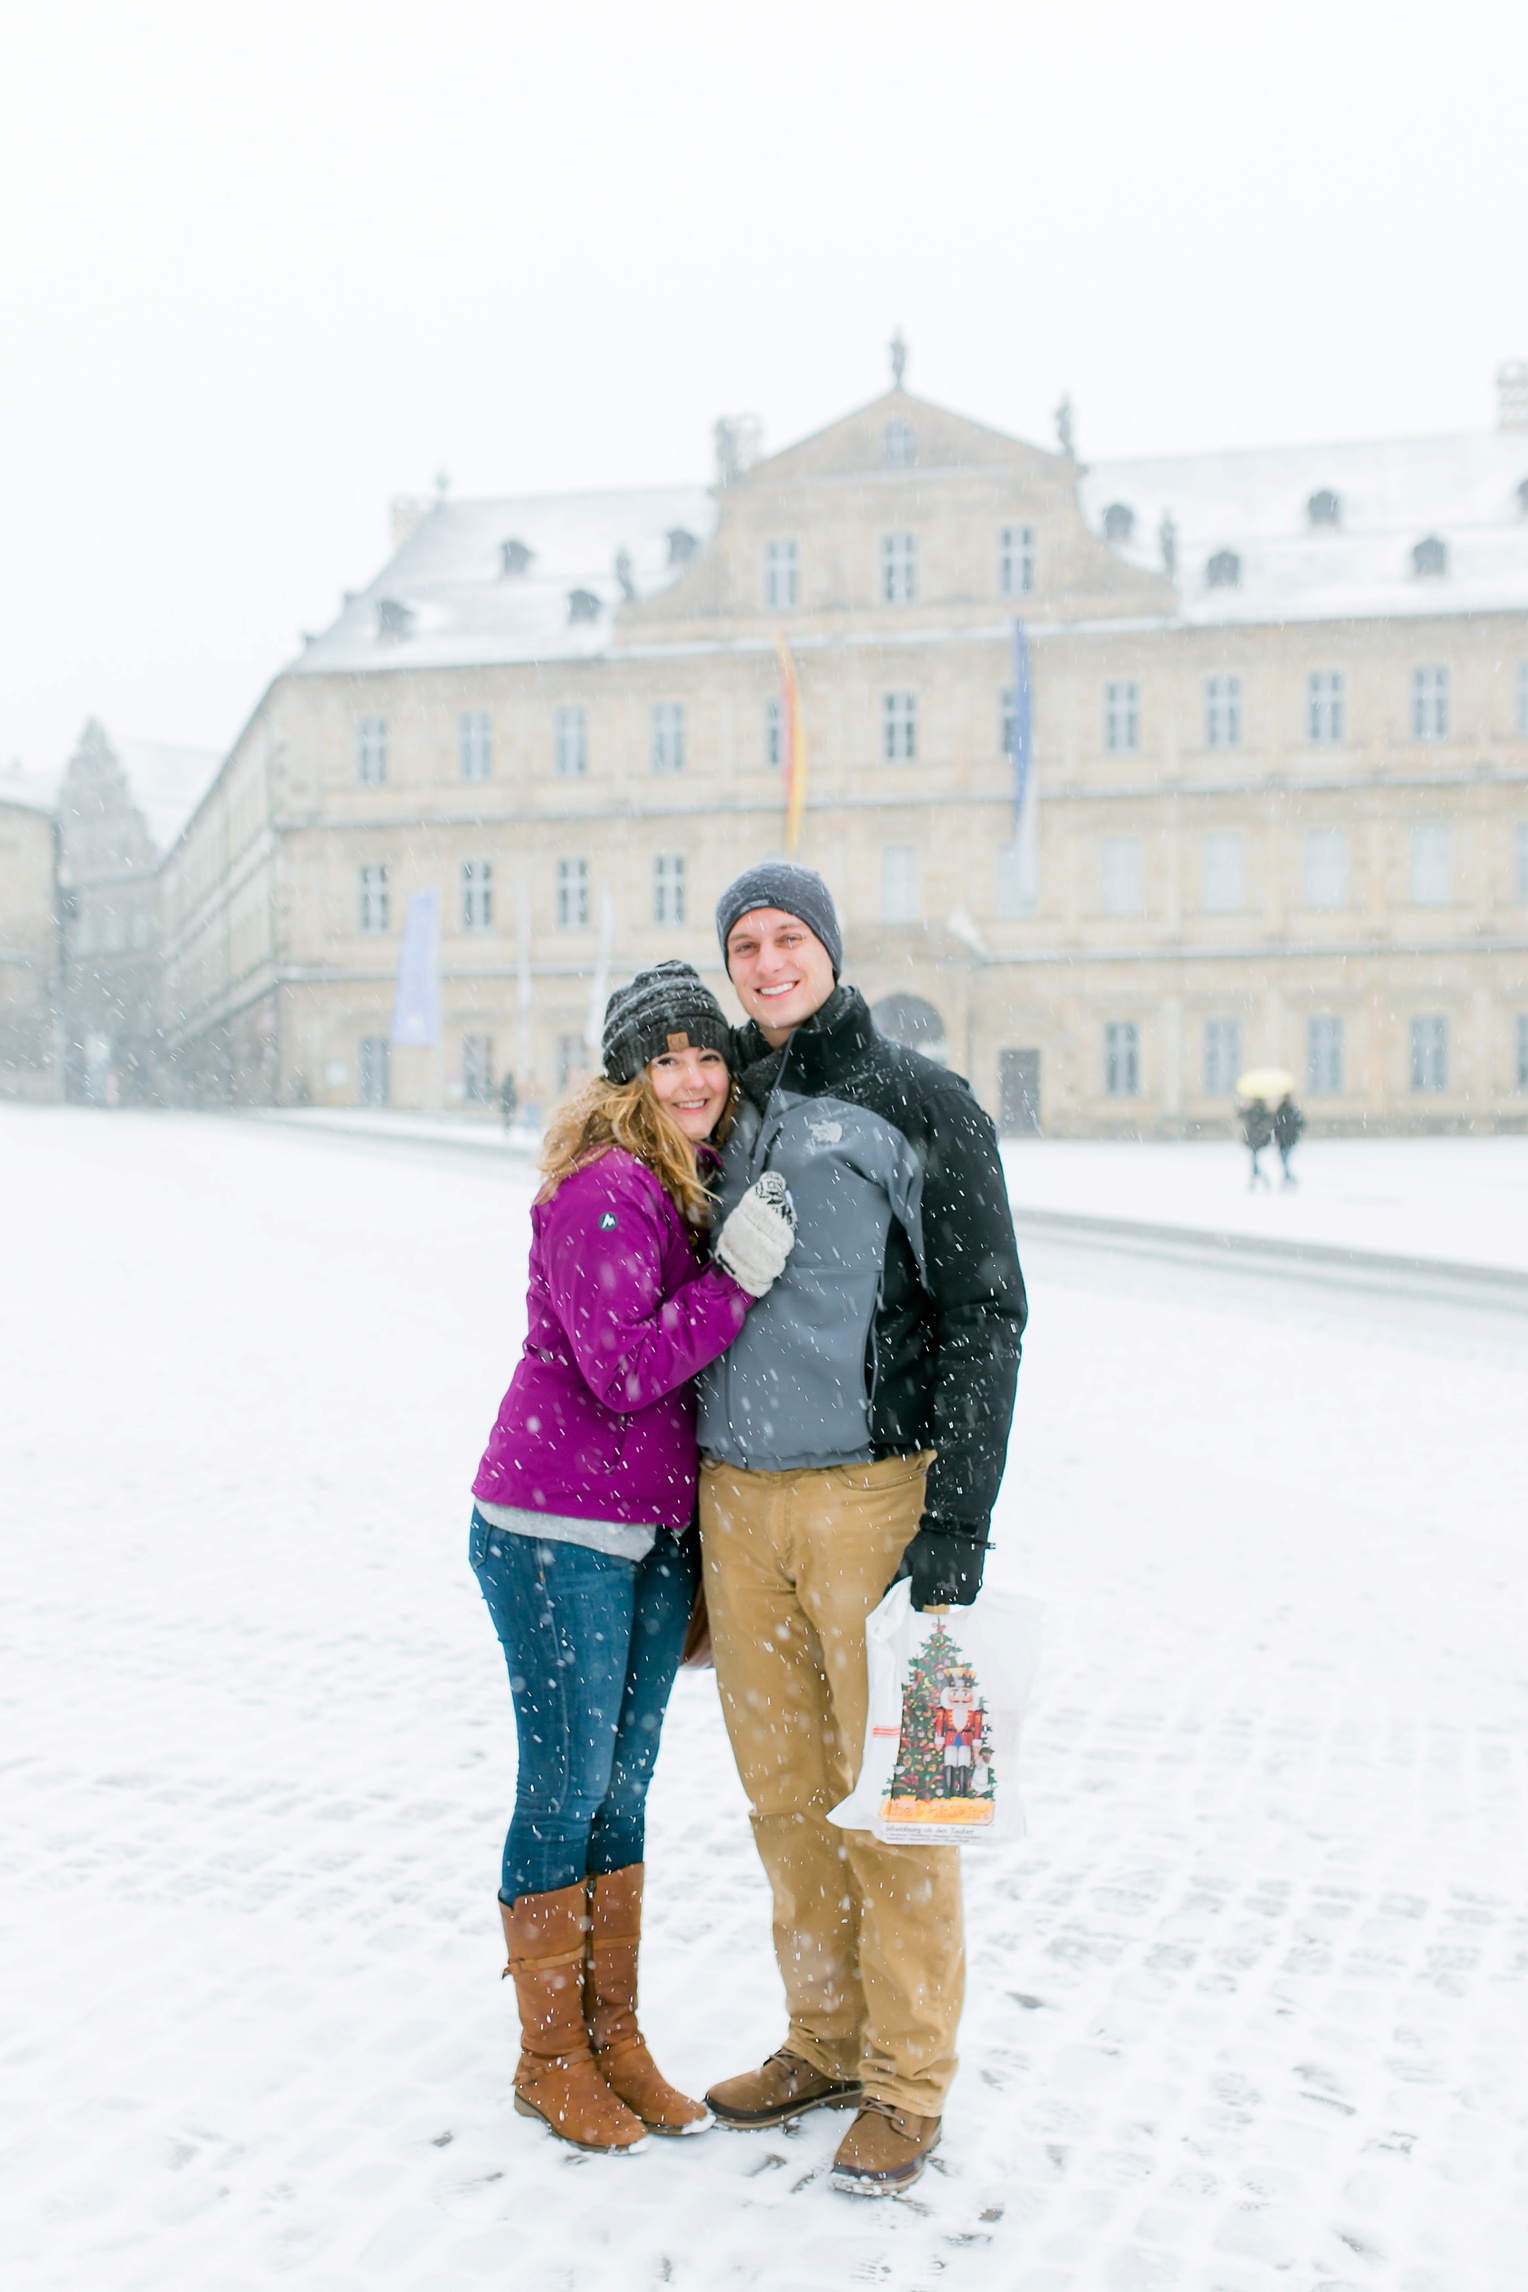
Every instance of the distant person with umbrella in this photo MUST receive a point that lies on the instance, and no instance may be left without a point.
(1258, 1090)
(1288, 1122)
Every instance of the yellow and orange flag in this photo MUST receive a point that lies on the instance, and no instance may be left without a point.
(792, 743)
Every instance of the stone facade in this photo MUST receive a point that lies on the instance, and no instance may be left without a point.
(1280, 746)
(109, 902)
(29, 953)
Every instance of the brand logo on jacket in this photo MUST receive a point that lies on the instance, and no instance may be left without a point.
(826, 1133)
(607, 1221)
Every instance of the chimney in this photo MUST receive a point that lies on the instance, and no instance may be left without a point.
(1512, 395)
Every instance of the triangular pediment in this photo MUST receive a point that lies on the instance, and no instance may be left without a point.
(875, 438)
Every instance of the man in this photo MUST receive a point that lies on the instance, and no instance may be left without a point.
(856, 1430)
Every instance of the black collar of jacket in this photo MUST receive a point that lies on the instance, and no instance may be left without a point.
(821, 1050)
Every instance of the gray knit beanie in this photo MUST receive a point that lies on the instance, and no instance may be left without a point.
(798, 891)
(667, 1008)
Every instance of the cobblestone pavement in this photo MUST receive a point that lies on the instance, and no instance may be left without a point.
(1247, 2008)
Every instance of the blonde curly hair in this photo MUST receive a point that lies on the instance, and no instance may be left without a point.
(600, 1114)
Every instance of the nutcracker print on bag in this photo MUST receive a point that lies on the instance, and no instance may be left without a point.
(944, 1769)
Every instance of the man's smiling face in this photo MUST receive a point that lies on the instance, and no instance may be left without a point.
(782, 971)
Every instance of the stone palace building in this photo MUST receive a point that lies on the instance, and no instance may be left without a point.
(1280, 745)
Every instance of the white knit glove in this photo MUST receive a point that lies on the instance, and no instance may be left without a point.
(759, 1235)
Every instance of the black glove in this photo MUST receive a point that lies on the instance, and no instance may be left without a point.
(945, 1566)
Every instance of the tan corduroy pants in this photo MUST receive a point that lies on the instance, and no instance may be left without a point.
(868, 1937)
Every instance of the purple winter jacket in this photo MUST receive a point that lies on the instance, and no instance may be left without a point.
(599, 1419)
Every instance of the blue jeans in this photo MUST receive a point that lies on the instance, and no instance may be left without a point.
(593, 1644)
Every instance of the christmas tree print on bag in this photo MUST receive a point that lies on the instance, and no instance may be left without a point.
(947, 1695)
(944, 1770)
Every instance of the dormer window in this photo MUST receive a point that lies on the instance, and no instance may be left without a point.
(583, 605)
(514, 557)
(899, 446)
(1324, 507)
(1119, 521)
(1223, 570)
(394, 620)
(681, 545)
(1429, 559)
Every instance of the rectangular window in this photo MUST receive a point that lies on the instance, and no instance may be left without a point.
(1221, 860)
(1326, 867)
(1016, 560)
(1522, 859)
(668, 887)
(1120, 875)
(899, 883)
(1222, 1056)
(780, 582)
(774, 732)
(573, 895)
(1122, 715)
(572, 1060)
(1429, 1053)
(375, 1070)
(1011, 896)
(1326, 706)
(1522, 1050)
(371, 899)
(668, 736)
(1323, 1057)
(1429, 703)
(371, 750)
(1430, 865)
(1222, 711)
(1122, 1059)
(1522, 700)
(570, 743)
(477, 895)
(899, 568)
(899, 727)
(474, 743)
(477, 1069)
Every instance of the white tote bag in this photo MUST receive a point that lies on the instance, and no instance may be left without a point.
(947, 1696)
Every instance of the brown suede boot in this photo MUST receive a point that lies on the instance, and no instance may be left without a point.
(785, 2087)
(884, 2150)
(610, 2007)
(557, 2079)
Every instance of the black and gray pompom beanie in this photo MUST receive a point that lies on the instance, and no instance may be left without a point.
(798, 891)
(667, 1008)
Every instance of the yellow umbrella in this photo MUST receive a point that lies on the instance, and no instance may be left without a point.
(1270, 1083)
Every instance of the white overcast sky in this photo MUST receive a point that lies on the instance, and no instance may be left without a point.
(263, 266)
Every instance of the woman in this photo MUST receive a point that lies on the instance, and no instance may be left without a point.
(581, 1533)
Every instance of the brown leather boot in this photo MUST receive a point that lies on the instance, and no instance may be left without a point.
(884, 2150)
(785, 2087)
(557, 2079)
(610, 2007)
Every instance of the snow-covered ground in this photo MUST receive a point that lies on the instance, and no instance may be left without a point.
(1247, 2009)
(1464, 1199)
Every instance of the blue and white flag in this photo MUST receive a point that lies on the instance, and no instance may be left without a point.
(416, 998)
(1025, 857)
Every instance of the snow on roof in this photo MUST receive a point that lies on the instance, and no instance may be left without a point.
(1391, 494)
(38, 791)
(448, 596)
(480, 582)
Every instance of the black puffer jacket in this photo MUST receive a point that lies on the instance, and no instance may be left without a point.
(897, 1323)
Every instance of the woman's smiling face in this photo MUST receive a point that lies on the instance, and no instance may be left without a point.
(693, 1085)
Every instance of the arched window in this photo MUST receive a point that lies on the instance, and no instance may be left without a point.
(1119, 521)
(1429, 559)
(899, 446)
(583, 605)
(1324, 507)
(912, 1021)
(1223, 570)
(514, 557)
(1522, 497)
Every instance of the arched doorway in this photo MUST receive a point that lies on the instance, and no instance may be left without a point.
(912, 1021)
